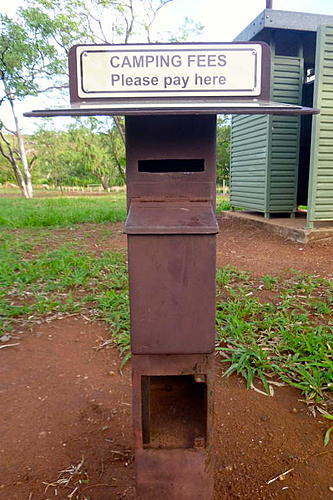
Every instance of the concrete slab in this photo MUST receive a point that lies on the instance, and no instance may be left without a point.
(290, 228)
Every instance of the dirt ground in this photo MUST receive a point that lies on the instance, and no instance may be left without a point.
(64, 402)
(239, 244)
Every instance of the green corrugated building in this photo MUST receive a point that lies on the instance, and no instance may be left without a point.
(279, 163)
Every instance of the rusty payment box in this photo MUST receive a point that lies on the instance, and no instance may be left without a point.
(171, 229)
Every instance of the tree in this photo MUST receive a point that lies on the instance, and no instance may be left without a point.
(111, 21)
(34, 46)
(25, 56)
(56, 158)
(88, 151)
(102, 149)
(222, 149)
(6, 172)
(116, 145)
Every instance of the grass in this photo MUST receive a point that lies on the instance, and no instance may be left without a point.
(275, 329)
(329, 431)
(60, 281)
(222, 203)
(61, 211)
(67, 211)
(267, 328)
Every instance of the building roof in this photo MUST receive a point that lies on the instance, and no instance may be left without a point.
(281, 19)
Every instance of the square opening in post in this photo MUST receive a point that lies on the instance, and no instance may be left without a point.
(174, 411)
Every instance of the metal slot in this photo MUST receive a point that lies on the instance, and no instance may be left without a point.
(171, 166)
(174, 411)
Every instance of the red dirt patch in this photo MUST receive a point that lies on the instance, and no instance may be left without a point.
(239, 243)
(60, 403)
(95, 238)
(253, 249)
(260, 437)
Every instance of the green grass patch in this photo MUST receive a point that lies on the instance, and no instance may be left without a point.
(288, 337)
(63, 280)
(65, 211)
(267, 328)
(61, 211)
(222, 203)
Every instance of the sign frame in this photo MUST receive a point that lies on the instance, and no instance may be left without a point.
(75, 73)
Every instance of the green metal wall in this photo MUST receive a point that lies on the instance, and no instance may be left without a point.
(248, 166)
(320, 200)
(287, 82)
(264, 149)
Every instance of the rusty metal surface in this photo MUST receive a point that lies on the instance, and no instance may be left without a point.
(166, 364)
(171, 230)
(172, 293)
(171, 276)
(171, 218)
(170, 137)
(172, 474)
(155, 365)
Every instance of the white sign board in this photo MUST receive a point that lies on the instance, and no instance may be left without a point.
(169, 70)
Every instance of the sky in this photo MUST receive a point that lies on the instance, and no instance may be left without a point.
(222, 21)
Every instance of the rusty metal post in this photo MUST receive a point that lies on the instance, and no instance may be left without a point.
(171, 229)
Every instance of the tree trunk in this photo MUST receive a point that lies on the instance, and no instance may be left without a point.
(120, 128)
(105, 182)
(20, 180)
(10, 156)
(25, 176)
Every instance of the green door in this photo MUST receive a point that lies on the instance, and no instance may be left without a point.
(287, 84)
(320, 200)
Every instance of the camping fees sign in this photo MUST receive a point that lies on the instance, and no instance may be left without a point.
(219, 70)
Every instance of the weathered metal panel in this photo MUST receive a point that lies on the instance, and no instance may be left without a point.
(174, 217)
(165, 472)
(170, 137)
(249, 147)
(173, 474)
(164, 365)
(170, 311)
(171, 229)
(320, 201)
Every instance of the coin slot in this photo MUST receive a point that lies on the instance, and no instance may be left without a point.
(171, 166)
